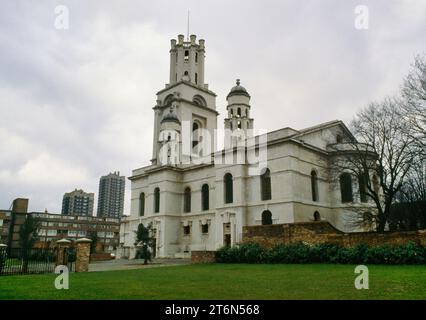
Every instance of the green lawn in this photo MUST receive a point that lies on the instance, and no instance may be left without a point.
(225, 281)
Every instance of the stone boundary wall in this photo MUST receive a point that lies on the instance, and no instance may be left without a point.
(203, 257)
(323, 232)
(100, 256)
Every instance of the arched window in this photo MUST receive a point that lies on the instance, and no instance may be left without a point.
(156, 200)
(266, 217)
(346, 187)
(187, 200)
(186, 58)
(205, 197)
(228, 188)
(362, 184)
(168, 100)
(196, 57)
(142, 204)
(265, 185)
(239, 112)
(314, 185)
(196, 78)
(197, 99)
(317, 216)
(239, 124)
(195, 137)
(232, 112)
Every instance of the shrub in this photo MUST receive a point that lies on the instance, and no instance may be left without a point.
(245, 253)
(291, 253)
(251, 253)
(409, 253)
(325, 253)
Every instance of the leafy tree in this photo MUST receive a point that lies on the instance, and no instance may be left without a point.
(27, 238)
(94, 237)
(144, 241)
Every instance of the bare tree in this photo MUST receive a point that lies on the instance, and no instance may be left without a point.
(379, 158)
(409, 213)
(414, 104)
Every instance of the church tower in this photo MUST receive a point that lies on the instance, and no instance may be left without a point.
(238, 120)
(185, 105)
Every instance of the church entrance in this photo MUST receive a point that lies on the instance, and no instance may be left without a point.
(227, 234)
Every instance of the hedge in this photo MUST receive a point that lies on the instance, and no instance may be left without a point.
(409, 253)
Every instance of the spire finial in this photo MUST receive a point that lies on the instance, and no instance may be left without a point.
(238, 82)
(187, 28)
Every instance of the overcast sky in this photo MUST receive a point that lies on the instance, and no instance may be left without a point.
(76, 104)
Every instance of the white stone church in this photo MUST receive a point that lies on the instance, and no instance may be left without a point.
(199, 198)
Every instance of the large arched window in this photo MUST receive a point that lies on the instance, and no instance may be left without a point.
(156, 200)
(205, 197)
(265, 184)
(195, 134)
(346, 187)
(362, 184)
(228, 188)
(266, 217)
(142, 204)
(314, 185)
(187, 200)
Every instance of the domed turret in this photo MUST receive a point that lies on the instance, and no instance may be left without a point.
(238, 90)
(238, 110)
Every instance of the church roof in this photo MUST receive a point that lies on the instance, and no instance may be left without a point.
(238, 90)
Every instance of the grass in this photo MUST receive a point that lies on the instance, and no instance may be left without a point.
(225, 281)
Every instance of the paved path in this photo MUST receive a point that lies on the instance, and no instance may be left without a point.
(124, 264)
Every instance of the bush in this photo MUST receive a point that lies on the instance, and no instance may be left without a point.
(291, 253)
(245, 253)
(409, 253)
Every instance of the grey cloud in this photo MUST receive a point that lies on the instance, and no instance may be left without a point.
(80, 101)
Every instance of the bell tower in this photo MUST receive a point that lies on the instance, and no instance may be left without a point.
(238, 111)
(187, 60)
(186, 105)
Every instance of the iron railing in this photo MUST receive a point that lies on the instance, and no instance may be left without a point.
(34, 261)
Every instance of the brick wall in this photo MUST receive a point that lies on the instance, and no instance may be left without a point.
(203, 257)
(100, 256)
(321, 232)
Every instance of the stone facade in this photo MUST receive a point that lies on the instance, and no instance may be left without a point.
(324, 232)
(292, 157)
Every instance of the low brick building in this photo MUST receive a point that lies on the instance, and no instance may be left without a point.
(54, 227)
